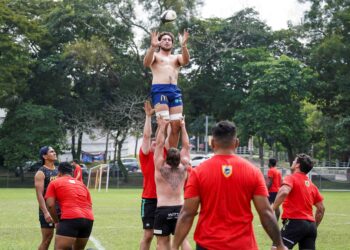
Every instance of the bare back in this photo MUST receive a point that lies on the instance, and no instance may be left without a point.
(170, 184)
(165, 68)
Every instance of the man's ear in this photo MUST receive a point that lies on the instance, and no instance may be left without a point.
(236, 142)
(213, 144)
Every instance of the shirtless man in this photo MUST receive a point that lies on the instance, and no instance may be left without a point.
(170, 177)
(166, 96)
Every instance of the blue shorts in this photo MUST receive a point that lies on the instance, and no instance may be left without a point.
(168, 94)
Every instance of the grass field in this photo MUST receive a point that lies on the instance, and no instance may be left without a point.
(118, 225)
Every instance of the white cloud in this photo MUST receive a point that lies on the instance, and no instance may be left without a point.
(275, 13)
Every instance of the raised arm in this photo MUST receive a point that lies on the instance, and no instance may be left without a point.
(184, 58)
(147, 129)
(185, 141)
(149, 57)
(159, 150)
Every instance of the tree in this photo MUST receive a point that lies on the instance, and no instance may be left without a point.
(20, 34)
(327, 30)
(20, 143)
(273, 108)
(220, 48)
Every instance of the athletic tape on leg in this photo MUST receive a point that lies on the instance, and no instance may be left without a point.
(164, 114)
(177, 116)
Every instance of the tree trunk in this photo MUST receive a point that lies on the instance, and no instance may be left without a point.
(136, 144)
(119, 152)
(74, 153)
(106, 150)
(261, 151)
(80, 141)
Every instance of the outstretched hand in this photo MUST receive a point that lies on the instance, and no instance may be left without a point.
(182, 121)
(162, 122)
(155, 43)
(183, 38)
(148, 108)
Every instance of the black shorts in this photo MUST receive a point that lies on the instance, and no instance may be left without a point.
(75, 228)
(165, 220)
(43, 223)
(148, 210)
(299, 231)
(198, 247)
(272, 197)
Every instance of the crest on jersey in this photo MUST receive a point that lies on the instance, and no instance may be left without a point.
(307, 183)
(227, 170)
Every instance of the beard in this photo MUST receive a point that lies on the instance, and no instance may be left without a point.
(166, 49)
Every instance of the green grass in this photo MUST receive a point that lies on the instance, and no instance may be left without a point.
(118, 224)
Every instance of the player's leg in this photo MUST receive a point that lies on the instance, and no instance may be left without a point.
(186, 244)
(292, 232)
(163, 242)
(161, 228)
(80, 243)
(84, 230)
(64, 242)
(148, 209)
(47, 230)
(175, 110)
(66, 234)
(309, 240)
(46, 237)
(146, 239)
(160, 102)
(175, 123)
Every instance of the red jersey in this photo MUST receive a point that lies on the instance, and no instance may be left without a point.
(73, 197)
(299, 202)
(76, 171)
(147, 168)
(276, 177)
(225, 185)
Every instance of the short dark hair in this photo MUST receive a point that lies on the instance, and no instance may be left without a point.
(224, 132)
(43, 151)
(65, 168)
(76, 161)
(272, 162)
(306, 163)
(166, 33)
(173, 157)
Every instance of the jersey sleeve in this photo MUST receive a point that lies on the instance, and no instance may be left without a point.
(51, 191)
(260, 185)
(317, 196)
(288, 180)
(192, 186)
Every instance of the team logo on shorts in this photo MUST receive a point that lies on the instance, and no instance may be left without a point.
(227, 170)
(307, 183)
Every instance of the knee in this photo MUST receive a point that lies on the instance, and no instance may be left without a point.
(147, 237)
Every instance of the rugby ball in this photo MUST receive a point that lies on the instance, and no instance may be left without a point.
(168, 16)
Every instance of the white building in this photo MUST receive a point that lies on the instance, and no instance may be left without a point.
(95, 144)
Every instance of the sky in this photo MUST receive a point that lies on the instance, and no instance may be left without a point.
(275, 13)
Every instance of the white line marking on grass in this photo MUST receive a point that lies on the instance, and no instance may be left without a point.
(96, 242)
(335, 214)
